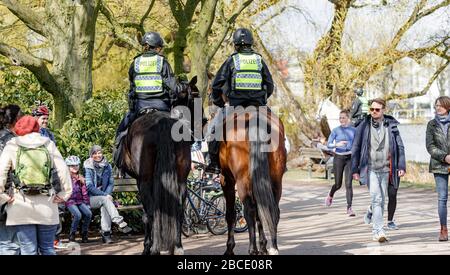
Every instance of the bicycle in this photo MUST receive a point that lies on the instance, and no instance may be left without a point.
(205, 205)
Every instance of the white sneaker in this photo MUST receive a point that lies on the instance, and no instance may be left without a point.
(124, 228)
(380, 237)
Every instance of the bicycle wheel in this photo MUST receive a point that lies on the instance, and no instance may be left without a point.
(187, 227)
(215, 219)
(241, 223)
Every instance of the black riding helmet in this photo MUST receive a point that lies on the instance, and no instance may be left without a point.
(243, 36)
(153, 39)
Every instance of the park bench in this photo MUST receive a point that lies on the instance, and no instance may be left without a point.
(316, 153)
(126, 185)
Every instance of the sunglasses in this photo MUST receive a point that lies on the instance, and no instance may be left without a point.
(375, 109)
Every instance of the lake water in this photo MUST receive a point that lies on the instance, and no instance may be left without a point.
(413, 136)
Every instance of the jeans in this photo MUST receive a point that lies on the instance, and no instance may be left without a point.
(342, 165)
(378, 189)
(36, 238)
(80, 211)
(9, 245)
(108, 212)
(442, 190)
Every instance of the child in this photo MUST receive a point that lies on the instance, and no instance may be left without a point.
(78, 204)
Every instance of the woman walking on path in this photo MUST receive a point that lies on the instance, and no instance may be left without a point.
(438, 145)
(341, 140)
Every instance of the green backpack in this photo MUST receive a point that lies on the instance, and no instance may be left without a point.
(33, 168)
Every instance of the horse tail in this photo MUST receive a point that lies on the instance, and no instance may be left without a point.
(166, 192)
(267, 208)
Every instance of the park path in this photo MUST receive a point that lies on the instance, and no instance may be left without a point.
(308, 227)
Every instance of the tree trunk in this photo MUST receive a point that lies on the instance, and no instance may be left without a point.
(179, 46)
(72, 55)
(69, 28)
(198, 51)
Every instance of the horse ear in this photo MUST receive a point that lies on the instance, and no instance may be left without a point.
(193, 80)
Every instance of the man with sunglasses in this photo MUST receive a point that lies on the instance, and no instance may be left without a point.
(378, 160)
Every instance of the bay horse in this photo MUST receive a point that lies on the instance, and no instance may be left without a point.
(160, 166)
(256, 166)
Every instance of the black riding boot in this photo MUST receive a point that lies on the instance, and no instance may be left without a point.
(213, 150)
(84, 237)
(72, 237)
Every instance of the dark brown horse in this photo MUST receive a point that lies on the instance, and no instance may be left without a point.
(160, 165)
(254, 160)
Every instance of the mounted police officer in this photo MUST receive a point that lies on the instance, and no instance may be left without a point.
(360, 107)
(152, 83)
(244, 79)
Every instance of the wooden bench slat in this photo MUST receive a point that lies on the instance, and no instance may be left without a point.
(126, 185)
(124, 181)
(129, 207)
(125, 188)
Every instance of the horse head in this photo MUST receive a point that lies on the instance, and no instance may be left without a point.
(190, 97)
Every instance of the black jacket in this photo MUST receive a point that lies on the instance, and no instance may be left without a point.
(438, 145)
(222, 84)
(361, 150)
(171, 88)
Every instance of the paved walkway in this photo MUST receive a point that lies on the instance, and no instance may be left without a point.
(308, 227)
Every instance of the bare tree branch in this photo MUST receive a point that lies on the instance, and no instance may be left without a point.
(287, 94)
(140, 26)
(224, 32)
(227, 25)
(206, 18)
(117, 30)
(433, 9)
(238, 11)
(305, 15)
(178, 12)
(32, 20)
(104, 57)
(415, 16)
(34, 64)
(424, 90)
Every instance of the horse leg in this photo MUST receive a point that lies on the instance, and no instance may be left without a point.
(148, 232)
(262, 238)
(149, 244)
(178, 249)
(277, 195)
(230, 215)
(147, 217)
(250, 218)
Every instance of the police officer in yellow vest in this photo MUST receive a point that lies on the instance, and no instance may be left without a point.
(360, 107)
(152, 82)
(246, 81)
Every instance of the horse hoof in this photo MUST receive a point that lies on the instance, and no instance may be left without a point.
(263, 252)
(178, 251)
(253, 252)
(228, 253)
(273, 251)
